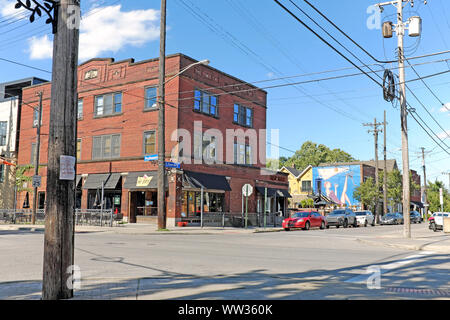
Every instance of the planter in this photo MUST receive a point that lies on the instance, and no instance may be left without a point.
(182, 223)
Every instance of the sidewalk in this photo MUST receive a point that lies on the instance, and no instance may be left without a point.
(144, 229)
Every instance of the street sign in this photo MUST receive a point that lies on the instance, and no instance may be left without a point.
(67, 168)
(37, 181)
(173, 165)
(152, 157)
(247, 190)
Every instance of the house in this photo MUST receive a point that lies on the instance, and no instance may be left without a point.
(215, 129)
(300, 184)
(10, 111)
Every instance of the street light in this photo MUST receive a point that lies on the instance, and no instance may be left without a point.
(161, 130)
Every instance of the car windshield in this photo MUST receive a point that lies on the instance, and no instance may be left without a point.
(300, 215)
(338, 212)
(390, 215)
(361, 213)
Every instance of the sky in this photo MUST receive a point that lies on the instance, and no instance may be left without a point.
(257, 41)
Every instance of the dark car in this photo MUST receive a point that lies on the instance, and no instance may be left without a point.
(392, 218)
(415, 217)
(342, 217)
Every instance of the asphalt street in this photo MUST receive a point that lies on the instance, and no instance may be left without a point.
(315, 264)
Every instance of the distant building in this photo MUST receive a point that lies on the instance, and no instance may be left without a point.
(10, 111)
(300, 184)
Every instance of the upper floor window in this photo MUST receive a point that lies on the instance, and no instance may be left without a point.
(243, 115)
(151, 98)
(80, 109)
(243, 154)
(108, 104)
(150, 142)
(78, 149)
(106, 147)
(205, 103)
(3, 132)
(2, 172)
(306, 186)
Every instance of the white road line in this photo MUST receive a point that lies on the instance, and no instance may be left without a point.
(391, 266)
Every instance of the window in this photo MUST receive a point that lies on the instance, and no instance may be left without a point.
(149, 142)
(36, 117)
(243, 115)
(108, 104)
(3, 132)
(80, 109)
(106, 147)
(205, 103)
(151, 98)
(242, 154)
(33, 153)
(78, 149)
(2, 173)
(209, 148)
(306, 186)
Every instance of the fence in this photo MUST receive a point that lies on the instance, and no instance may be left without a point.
(21, 215)
(236, 220)
(93, 217)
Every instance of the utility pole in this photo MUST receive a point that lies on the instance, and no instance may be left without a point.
(375, 131)
(414, 31)
(385, 208)
(161, 122)
(36, 160)
(425, 198)
(64, 15)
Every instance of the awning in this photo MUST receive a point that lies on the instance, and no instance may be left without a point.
(418, 204)
(94, 181)
(272, 192)
(78, 181)
(142, 180)
(198, 180)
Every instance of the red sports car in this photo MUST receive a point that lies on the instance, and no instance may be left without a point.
(305, 220)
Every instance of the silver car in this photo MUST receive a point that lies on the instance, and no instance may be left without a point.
(392, 218)
(365, 218)
(342, 217)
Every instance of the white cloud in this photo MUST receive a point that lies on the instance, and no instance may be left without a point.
(444, 134)
(106, 29)
(7, 9)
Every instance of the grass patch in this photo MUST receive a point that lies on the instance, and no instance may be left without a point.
(163, 230)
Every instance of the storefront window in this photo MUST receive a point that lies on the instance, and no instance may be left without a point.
(191, 203)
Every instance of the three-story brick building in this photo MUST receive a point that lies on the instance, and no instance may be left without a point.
(215, 127)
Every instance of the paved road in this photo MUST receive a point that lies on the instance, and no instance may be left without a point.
(315, 264)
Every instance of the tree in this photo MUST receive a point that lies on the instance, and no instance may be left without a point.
(433, 196)
(367, 193)
(307, 203)
(395, 186)
(313, 154)
(22, 178)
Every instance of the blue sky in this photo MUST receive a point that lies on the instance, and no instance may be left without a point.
(256, 40)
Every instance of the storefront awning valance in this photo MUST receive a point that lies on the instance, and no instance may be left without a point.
(142, 180)
(94, 181)
(418, 204)
(272, 192)
(198, 180)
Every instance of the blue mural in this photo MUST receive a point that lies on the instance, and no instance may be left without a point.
(338, 183)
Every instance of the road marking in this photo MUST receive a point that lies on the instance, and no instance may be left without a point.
(390, 266)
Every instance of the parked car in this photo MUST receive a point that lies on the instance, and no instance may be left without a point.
(415, 217)
(305, 220)
(437, 220)
(365, 218)
(342, 217)
(392, 218)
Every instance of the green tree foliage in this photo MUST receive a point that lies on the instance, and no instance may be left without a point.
(367, 193)
(433, 196)
(22, 178)
(307, 203)
(395, 186)
(313, 154)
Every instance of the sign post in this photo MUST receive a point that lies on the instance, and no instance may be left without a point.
(247, 191)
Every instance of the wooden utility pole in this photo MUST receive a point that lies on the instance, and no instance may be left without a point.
(36, 160)
(161, 122)
(60, 206)
(425, 196)
(375, 131)
(385, 208)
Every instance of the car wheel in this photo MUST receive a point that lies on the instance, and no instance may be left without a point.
(373, 223)
(434, 227)
(365, 224)
(345, 223)
(355, 223)
(322, 225)
(337, 226)
(286, 229)
(328, 227)
(306, 226)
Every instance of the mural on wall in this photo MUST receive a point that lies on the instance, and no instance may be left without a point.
(338, 183)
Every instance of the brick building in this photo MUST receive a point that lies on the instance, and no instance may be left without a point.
(215, 127)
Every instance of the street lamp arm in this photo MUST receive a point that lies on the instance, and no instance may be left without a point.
(204, 62)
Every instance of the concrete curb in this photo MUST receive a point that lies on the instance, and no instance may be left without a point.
(414, 247)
